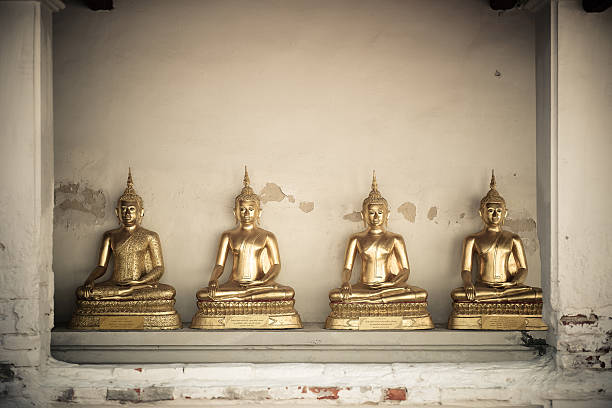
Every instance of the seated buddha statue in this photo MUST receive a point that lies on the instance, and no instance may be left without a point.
(132, 298)
(382, 298)
(251, 297)
(498, 299)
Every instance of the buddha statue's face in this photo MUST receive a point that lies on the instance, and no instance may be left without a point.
(247, 212)
(129, 212)
(376, 215)
(493, 214)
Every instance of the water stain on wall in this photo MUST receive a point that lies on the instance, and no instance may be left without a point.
(432, 213)
(526, 228)
(78, 204)
(272, 192)
(408, 210)
(355, 216)
(307, 206)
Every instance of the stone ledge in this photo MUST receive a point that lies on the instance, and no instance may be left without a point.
(312, 344)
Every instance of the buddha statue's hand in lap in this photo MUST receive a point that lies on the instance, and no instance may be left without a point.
(251, 287)
(138, 267)
(384, 273)
(502, 270)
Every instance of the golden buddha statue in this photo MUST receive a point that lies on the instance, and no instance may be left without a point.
(132, 298)
(499, 299)
(251, 298)
(382, 299)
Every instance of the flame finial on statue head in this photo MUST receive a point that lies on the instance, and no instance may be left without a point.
(374, 197)
(493, 196)
(247, 193)
(246, 180)
(374, 182)
(130, 193)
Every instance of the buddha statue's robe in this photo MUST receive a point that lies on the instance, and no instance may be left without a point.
(134, 257)
(377, 253)
(500, 257)
(249, 250)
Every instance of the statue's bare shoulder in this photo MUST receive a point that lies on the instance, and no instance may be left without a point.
(510, 235)
(359, 235)
(111, 233)
(394, 236)
(473, 238)
(266, 233)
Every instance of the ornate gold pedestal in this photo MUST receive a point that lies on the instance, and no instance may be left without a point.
(125, 315)
(379, 316)
(246, 315)
(497, 316)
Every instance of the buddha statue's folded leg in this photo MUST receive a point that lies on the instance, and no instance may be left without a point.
(335, 295)
(203, 294)
(231, 292)
(488, 293)
(400, 294)
(159, 291)
(458, 295)
(105, 291)
(368, 294)
(410, 294)
(274, 292)
(512, 293)
(359, 293)
(225, 291)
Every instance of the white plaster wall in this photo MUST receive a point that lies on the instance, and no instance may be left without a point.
(584, 167)
(585, 144)
(543, 148)
(25, 383)
(312, 96)
(26, 176)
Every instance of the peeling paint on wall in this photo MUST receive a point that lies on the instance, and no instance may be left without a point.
(522, 224)
(579, 320)
(585, 341)
(408, 210)
(307, 206)
(355, 216)
(272, 192)
(77, 204)
(323, 393)
(526, 228)
(66, 396)
(432, 213)
(395, 394)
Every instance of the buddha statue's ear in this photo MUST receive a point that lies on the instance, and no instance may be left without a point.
(141, 212)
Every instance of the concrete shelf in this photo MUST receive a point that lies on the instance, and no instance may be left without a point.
(312, 344)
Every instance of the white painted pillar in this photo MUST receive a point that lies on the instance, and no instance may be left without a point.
(26, 177)
(574, 62)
